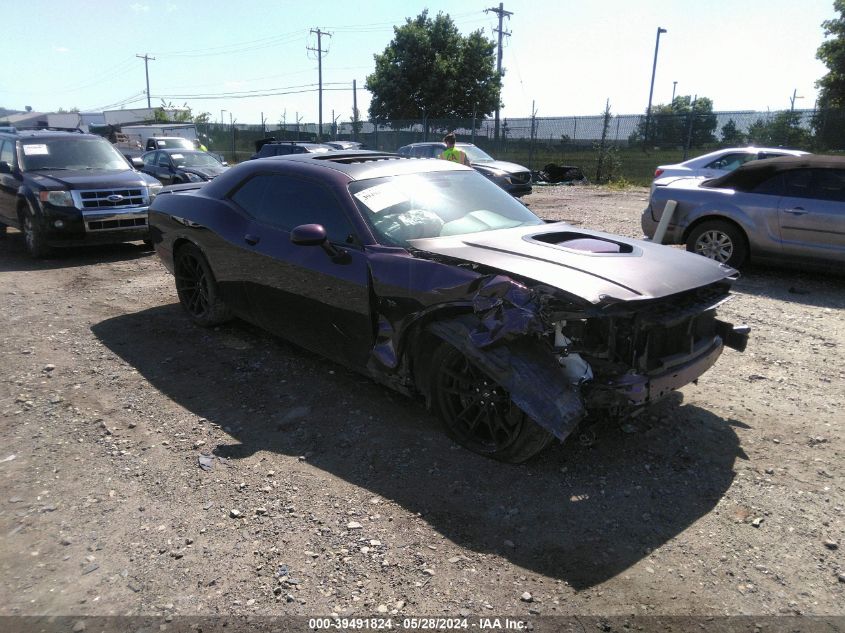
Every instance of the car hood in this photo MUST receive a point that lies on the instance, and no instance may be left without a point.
(682, 182)
(91, 179)
(597, 267)
(499, 165)
(206, 172)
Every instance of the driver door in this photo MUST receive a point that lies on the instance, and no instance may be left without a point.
(301, 292)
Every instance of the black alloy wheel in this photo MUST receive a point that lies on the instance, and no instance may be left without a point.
(34, 237)
(197, 289)
(478, 413)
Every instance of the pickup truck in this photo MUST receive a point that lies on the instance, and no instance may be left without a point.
(70, 189)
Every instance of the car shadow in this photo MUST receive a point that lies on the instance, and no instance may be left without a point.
(14, 256)
(579, 513)
(820, 289)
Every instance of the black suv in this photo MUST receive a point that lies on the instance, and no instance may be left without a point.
(63, 188)
(265, 148)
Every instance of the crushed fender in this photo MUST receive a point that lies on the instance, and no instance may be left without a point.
(505, 309)
(526, 369)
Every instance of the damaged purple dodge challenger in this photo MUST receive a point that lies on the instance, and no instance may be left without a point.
(431, 279)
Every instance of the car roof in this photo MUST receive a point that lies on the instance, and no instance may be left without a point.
(30, 134)
(365, 164)
(749, 175)
(706, 158)
(435, 144)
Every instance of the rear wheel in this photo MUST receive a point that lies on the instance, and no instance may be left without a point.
(720, 241)
(197, 289)
(478, 413)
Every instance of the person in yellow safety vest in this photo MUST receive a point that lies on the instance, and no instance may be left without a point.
(200, 146)
(452, 154)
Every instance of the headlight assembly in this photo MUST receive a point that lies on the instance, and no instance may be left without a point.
(154, 190)
(60, 198)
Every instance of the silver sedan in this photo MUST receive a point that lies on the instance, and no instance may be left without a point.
(784, 210)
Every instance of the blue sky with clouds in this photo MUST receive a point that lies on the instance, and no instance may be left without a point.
(566, 58)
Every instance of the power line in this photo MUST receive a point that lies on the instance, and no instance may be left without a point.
(237, 47)
(253, 96)
(247, 93)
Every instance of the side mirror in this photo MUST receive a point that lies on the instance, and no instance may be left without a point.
(5, 168)
(137, 163)
(315, 235)
(308, 235)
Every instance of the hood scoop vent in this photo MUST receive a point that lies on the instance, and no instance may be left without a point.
(581, 243)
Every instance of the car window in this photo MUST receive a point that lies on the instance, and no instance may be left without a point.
(772, 186)
(163, 160)
(729, 162)
(7, 154)
(829, 184)
(150, 159)
(797, 183)
(436, 204)
(286, 202)
(71, 152)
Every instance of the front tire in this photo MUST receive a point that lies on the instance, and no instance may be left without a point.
(36, 243)
(720, 241)
(198, 291)
(478, 413)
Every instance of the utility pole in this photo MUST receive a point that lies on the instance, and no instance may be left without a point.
(319, 51)
(354, 109)
(674, 86)
(263, 128)
(298, 119)
(232, 125)
(502, 14)
(651, 89)
(147, 60)
(792, 100)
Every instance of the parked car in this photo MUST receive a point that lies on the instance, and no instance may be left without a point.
(341, 145)
(513, 178)
(720, 162)
(283, 148)
(70, 189)
(781, 210)
(430, 279)
(177, 166)
(169, 142)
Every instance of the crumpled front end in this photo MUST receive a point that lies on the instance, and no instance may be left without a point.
(563, 362)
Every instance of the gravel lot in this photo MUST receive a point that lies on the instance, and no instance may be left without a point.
(324, 493)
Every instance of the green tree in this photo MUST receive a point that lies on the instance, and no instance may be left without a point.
(783, 130)
(731, 134)
(430, 71)
(669, 125)
(829, 122)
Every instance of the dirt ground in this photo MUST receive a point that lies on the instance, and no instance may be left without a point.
(322, 492)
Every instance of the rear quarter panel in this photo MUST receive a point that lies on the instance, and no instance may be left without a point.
(755, 214)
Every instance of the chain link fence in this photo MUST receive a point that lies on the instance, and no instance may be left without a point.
(605, 147)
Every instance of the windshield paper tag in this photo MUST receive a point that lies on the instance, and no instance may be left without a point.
(382, 196)
(177, 156)
(35, 149)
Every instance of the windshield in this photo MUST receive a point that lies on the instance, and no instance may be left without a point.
(437, 204)
(71, 154)
(174, 143)
(475, 154)
(194, 159)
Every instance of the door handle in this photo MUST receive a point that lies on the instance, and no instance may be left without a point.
(796, 210)
(252, 240)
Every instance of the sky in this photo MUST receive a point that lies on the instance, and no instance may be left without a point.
(562, 58)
